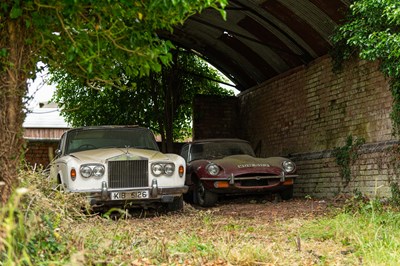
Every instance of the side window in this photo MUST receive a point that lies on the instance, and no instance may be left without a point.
(61, 145)
(184, 152)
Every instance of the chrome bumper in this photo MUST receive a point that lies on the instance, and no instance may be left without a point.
(155, 192)
(231, 179)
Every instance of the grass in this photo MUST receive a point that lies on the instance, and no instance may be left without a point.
(370, 233)
(40, 226)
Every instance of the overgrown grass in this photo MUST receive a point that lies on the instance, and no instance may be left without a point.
(41, 226)
(369, 231)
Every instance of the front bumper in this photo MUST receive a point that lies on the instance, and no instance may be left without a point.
(232, 184)
(114, 196)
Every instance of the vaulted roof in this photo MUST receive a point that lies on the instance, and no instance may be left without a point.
(261, 38)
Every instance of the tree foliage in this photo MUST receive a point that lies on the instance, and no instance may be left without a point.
(143, 100)
(89, 39)
(372, 32)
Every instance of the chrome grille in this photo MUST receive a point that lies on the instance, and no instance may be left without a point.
(130, 173)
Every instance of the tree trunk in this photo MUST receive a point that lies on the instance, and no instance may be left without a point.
(171, 83)
(153, 86)
(13, 86)
(169, 119)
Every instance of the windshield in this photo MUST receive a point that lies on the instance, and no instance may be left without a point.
(218, 150)
(81, 140)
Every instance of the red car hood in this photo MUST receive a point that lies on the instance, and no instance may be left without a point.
(241, 164)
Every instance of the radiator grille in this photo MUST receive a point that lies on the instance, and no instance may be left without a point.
(130, 173)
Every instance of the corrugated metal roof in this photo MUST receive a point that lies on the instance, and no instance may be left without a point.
(44, 118)
(261, 38)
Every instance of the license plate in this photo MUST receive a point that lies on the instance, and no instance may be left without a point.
(141, 194)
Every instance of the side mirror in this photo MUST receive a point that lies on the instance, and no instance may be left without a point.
(58, 153)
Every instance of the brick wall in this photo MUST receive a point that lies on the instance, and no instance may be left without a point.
(371, 173)
(215, 117)
(40, 152)
(308, 112)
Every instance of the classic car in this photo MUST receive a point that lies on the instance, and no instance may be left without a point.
(119, 166)
(229, 166)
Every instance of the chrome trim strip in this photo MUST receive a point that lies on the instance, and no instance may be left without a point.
(230, 178)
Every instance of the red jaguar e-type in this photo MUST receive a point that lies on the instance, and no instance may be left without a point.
(229, 166)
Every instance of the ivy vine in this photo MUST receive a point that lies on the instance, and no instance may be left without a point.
(347, 155)
(371, 32)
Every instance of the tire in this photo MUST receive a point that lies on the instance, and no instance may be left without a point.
(204, 197)
(287, 194)
(175, 205)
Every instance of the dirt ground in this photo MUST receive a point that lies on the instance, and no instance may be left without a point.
(271, 207)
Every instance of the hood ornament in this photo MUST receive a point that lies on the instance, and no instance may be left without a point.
(127, 149)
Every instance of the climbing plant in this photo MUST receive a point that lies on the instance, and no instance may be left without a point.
(347, 155)
(371, 32)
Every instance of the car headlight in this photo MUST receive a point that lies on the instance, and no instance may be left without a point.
(167, 169)
(212, 169)
(288, 166)
(95, 170)
(86, 171)
(157, 169)
(98, 171)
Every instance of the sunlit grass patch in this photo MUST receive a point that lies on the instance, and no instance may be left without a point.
(370, 234)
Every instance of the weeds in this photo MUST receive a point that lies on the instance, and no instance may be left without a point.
(346, 156)
(13, 234)
(30, 223)
(367, 229)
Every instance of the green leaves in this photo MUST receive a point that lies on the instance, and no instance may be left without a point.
(347, 155)
(16, 12)
(3, 52)
(90, 39)
(372, 32)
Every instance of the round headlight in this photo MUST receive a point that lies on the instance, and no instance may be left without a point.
(98, 171)
(212, 169)
(169, 169)
(288, 166)
(86, 171)
(157, 169)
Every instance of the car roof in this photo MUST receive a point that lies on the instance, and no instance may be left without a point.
(218, 140)
(105, 127)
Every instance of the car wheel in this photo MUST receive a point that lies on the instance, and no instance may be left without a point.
(287, 194)
(175, 205)
(204, 197)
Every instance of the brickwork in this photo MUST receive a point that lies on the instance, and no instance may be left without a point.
(215, 117)
(312, 110)
(40, 152)
(371, 174)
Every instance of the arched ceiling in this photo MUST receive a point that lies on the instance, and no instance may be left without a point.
(261, 38)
